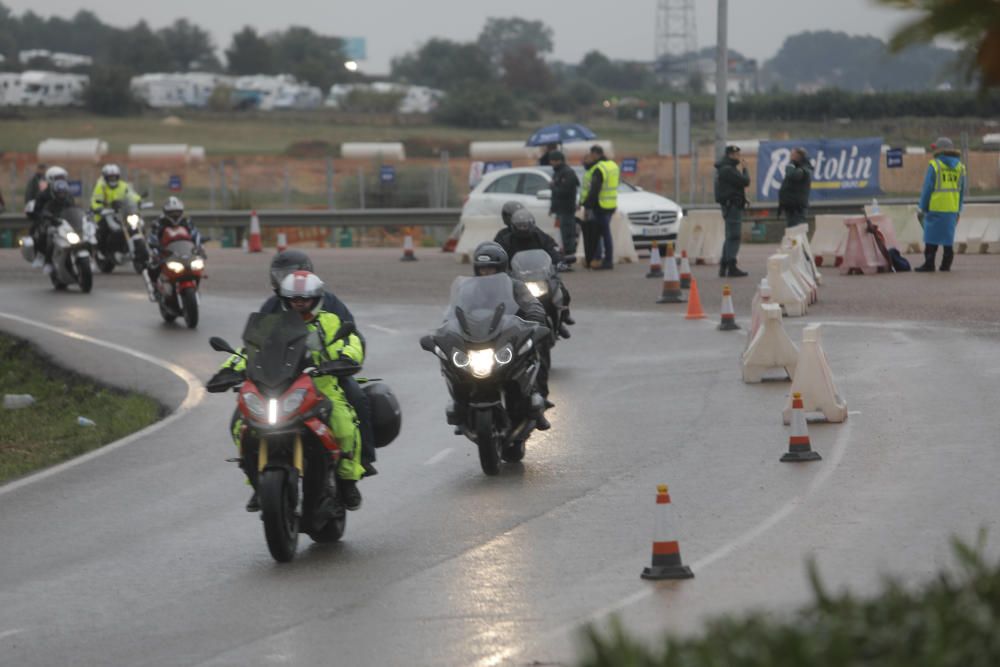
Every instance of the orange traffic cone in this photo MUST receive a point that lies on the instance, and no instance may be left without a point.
(728, 322)
(667, 562)
(695, 311)
(408, 255)
(655, 265)
(685, 270)
(255, 244)
(799, 447)
(672, 292)
(282, 243)
(452, 241)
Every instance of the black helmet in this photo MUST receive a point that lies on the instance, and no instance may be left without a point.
(522, 223)
(508, 210)
(286, 262)
(60, 191)
(385, 412)
(489, 254)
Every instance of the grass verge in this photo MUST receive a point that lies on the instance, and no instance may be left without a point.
(47, 432)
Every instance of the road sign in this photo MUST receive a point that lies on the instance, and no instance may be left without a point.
(387, 174)
(174, 183)
(630, 165)
(675, 128)
(894, 158)
(76, 188)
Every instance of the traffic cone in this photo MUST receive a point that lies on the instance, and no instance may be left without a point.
(408, 255)
(799, 448)
(685, 270)
(282, 244)
(666, 562)
(655, 265)
(695, 311)
(255, 244)
(672, 292)
(452, 241)
(728, 322)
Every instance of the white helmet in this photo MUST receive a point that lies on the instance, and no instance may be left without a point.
(299, 285)
(53, 174)
(111, 173)
(173, 208)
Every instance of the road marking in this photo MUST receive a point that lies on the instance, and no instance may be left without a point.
(379, 327)
(195, 394)
(854, 412)
(10, 633)
(440, 456)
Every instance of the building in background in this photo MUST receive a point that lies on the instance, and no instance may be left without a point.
(178, 89)
(36, 88)
(56, 58)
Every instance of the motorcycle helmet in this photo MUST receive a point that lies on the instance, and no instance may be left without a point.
(489, 255)
(385, 412)
(286, 262)
(522, 223)
(302, 292)
(60, 191)
(173, 209)
(53, 174)
(111, 174)
(508, 210)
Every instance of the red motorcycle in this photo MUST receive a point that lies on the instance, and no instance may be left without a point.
(181, 266)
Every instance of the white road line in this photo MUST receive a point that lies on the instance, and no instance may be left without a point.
(195, 394)
(379, 327)
(438, 457)
(854, 412)
(10, 633)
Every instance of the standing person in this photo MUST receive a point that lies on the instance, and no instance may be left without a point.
(546, 159)
(941, 203)
(793, 197)
(731, 180)
(35, 184)
(591, 240)
(602, 200)
(563, 204)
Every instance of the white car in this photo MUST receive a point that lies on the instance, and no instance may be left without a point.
(650, 216)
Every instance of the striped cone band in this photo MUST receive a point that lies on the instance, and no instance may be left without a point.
(799, 439)
(666, 560)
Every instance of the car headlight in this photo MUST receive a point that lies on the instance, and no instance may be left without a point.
(459, 358)
(293, 401)
(175, 267)
(73, 238)
(133, 220)
(481, 362)
(537, 288)
(197, 264)
(254, 404)
(505, 355)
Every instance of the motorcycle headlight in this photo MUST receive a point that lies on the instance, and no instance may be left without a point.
(254, 404)
(481, 362)
(73, 238)
(197, 264)
(175, 267)
(133, 220)
(505, 355)
(460, 359)
(537, 288)
(293, 401)
(272, 411)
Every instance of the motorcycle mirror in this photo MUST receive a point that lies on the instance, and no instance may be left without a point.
(147, 205)
(219, 345)
(427, 343)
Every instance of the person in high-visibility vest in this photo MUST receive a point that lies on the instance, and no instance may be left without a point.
(588, 226)
(941, 203)
(602, 200)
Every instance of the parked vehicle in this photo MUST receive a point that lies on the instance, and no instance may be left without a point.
(181, 265)
(72, 238)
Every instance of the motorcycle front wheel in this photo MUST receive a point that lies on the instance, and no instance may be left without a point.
(514, 452)
(277, 507)
(84, 275)
(488, 442)
(140, 256)
(167, 315)
(189, 303)
(105, 264)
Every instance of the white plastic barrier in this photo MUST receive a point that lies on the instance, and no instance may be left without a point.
(771, 349)
(391, 150)
(828, 240)
(799, 266)
(909, 231)
(800, 235)
(785, 289)
(501, 150)
(174, 152)
(760, 297)
(814, 380)
(991, 238)
(962, 233)
(56, 150)
(702, 233)
(577, 149)
(475, 230)
(979, 223)
(621, 238)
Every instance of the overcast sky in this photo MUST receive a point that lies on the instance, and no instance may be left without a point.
(757, 28)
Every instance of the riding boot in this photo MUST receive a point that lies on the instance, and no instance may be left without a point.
(735, 272)
(947, 255)
(930, 250)
(724, 268)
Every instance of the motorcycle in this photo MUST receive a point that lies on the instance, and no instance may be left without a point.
(489, 359)
(121, 235)
(181, 264)
(72, 238)
(286, 447)
(536, 270)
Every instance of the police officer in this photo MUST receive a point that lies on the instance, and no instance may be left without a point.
(941, 203)
(793, 197)
(731, 180)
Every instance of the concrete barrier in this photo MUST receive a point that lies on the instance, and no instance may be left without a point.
(980, 227)
(702, 233)
(991, 238)
(829, 240)
(813, 379)
(770, 350)
(785, 289)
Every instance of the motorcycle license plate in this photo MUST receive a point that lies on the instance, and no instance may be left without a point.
(659, 230)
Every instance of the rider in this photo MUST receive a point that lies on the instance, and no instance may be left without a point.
(508, 210)
(287, 262)
(110, 188)
(34, 210)
(173, 216)
(524, 234)
(302, 292)
(490, 258)
(59, 200)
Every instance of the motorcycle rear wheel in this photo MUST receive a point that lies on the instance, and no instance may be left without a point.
(488, 442)
(277, 507)
(189, 301)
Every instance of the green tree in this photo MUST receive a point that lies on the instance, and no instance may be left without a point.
(500, 37)
(108, 92)
(249, 53)
(524, 71)
(478, 105)
(189, 47)
(316, 59)
(442, 63)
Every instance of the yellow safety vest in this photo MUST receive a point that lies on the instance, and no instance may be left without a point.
(608, 197)
(947, 195)
(587, 177)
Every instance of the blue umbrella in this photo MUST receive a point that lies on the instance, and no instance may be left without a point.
(561, 133)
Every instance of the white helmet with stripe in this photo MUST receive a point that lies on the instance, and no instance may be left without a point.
(302, 286)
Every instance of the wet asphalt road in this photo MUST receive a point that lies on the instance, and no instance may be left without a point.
(144, 556)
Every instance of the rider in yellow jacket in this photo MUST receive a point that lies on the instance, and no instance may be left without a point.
(110, 187)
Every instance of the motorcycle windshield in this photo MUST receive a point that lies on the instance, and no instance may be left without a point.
(531, 265)
(74, 216)
(181, 249)
(275, 347)
(478, 305)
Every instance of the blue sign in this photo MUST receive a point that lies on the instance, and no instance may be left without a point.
(894, 158)
(355, 48)
(630, 165)
(75, 188)
(497, 166)
(387, 174)
(174, 183)
(842, 168)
